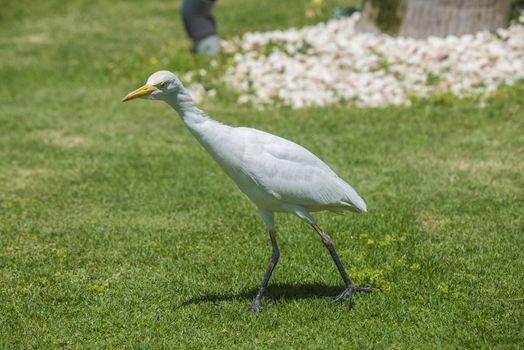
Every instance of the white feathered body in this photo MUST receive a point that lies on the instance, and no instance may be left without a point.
(276, 174)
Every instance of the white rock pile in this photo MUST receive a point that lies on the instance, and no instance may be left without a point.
(332, 62)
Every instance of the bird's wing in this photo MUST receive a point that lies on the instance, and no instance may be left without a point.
(294, 175)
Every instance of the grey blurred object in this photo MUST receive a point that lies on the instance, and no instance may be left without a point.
(200, 26)
(340, 12)
(210, 46)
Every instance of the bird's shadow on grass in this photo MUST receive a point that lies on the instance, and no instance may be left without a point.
(275, 293)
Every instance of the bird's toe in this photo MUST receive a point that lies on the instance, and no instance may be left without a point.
(256, 307)
(348, 293)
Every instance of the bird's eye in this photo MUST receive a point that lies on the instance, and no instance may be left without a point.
(162, 85)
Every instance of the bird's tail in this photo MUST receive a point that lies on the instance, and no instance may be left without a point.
(354, 201)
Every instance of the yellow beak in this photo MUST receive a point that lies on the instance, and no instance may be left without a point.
(141, 91)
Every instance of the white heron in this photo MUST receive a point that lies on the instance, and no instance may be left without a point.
(276, 174)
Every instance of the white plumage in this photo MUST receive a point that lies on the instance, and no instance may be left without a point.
(276, 174)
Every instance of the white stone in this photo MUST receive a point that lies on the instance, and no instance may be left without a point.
(369, 70)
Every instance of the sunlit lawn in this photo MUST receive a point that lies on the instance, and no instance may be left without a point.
(118, 231)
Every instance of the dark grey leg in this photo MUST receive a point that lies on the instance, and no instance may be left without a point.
(350, 288)
(274, 259)
(198, 18)
(201, 27)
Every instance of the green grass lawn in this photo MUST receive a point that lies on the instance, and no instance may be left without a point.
(118, 231)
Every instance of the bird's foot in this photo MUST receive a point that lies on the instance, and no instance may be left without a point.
(348, 293)
(256, 307)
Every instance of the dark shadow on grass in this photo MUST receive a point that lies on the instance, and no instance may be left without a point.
(273, 293)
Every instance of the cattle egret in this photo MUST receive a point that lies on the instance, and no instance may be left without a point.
(276, 174)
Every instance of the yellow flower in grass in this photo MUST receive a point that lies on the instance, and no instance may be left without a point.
(153, 60)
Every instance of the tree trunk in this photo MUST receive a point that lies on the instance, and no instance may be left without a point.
(422, 18)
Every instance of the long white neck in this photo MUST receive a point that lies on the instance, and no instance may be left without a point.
(199, 123)
(185, 107)
(218, 139)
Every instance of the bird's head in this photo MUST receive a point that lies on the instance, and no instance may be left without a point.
(159, 85)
